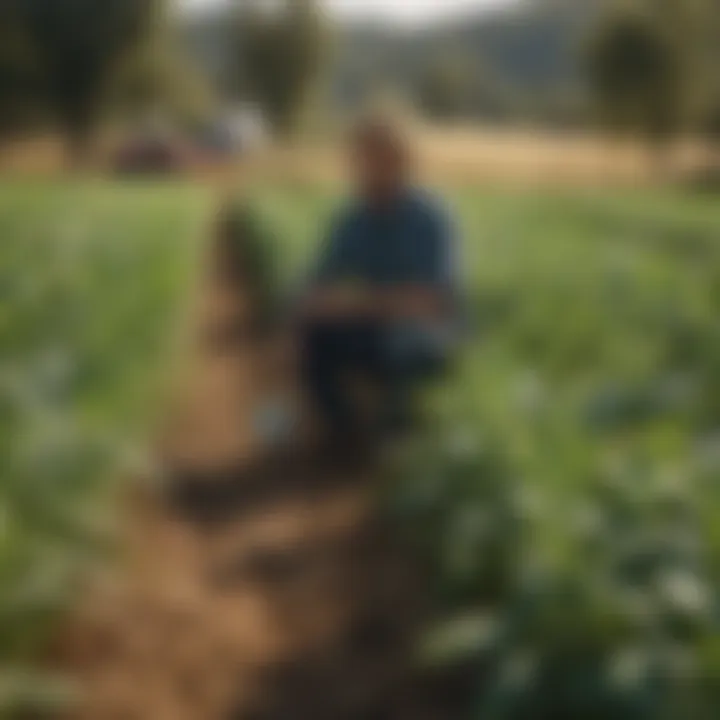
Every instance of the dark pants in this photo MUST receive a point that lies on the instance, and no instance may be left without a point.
(393, 361)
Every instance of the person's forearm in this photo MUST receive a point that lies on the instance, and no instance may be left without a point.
(333, 305)
(406, 303)
(415, 303)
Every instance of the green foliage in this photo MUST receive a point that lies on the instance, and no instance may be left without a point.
(18, 71)
(695, 27)
(161, 77)
(459, 85)
(564, 491)
(252, 249)
(652, 66)
(80, 44)
(93, 286)
(447, 88)
(707, 75)
(635, 71)
(280, 54)
(563, 496)
(72, 61)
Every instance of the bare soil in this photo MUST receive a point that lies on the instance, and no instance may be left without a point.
(250, 586)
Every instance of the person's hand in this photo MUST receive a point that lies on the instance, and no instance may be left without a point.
(341, 300)
(413, 302)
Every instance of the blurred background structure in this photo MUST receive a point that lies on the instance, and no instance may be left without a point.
(547, 548)
(637, 69)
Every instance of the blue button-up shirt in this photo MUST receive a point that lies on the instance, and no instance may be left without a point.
(412, 241)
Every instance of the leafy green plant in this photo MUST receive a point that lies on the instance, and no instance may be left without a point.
(94, 283)
(563, 495)
(563, 492)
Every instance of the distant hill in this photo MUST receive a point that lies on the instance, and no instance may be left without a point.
(531, 49)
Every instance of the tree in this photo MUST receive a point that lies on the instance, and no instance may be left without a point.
(81, 44)
(280, 53)
(694, 26)
(636, 76)
(447, 88)
(18, 72)
(709, 44)
(163, 77)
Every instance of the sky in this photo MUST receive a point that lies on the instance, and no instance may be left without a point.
(404, 12)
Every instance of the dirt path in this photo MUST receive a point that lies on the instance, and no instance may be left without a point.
(248, 588)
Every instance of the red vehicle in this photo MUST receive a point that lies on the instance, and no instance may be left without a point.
(153, 154)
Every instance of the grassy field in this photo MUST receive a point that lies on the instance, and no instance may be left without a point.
(95, 282)
(565, 493)
(495, 157)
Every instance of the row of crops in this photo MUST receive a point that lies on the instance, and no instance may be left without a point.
(565, 495)
(94, 286)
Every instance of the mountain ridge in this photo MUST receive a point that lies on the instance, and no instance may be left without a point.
(532, 47)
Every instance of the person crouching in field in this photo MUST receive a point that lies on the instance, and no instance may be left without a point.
(381, 310)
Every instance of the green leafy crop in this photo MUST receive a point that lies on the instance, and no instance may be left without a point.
(94, 282)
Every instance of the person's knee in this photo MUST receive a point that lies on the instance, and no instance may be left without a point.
(347, 341)
(326, 334)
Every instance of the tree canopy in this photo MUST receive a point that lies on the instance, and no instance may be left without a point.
(652, 66)
(279, 54)
(81, 44)
(636, 76)
(19, 70)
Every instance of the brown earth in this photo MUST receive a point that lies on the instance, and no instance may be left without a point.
(249, 587)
